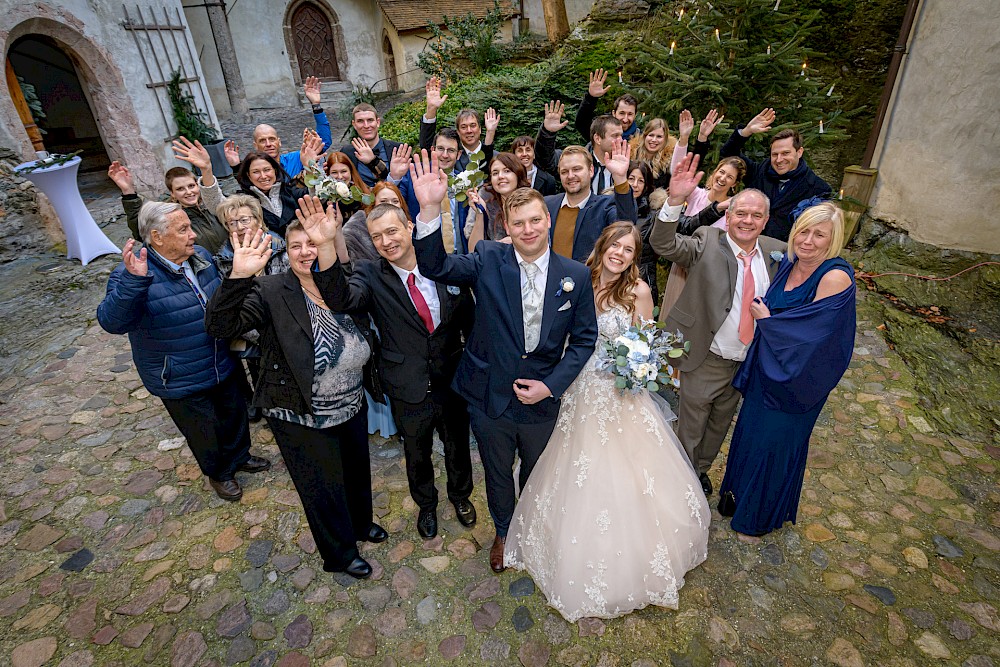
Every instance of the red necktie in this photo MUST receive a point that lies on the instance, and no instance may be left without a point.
(418, 300)
(746, 319)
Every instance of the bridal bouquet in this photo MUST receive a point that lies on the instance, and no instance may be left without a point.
(472, 177)
(327, 188)
(640, 357)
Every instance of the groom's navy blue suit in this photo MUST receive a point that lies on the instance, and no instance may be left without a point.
(494, 355)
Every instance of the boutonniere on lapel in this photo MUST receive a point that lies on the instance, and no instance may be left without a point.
(777, 256)
(566, 285)
(453, 290)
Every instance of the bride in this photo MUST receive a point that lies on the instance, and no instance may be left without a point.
(613, 514)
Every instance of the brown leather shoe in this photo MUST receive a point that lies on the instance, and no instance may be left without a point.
(496, 554)
(228, 489)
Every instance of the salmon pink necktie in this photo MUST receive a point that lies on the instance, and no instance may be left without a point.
(749, 289)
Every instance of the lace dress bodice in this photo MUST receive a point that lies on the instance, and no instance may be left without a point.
(613, 322)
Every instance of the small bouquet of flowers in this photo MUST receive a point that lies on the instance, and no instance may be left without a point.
(328, 189)
(640, 358)
(472, 177)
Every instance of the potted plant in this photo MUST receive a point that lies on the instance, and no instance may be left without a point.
(191, 124)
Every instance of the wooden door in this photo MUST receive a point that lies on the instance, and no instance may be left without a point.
(313, 37)
(23, 112)
(390, 64)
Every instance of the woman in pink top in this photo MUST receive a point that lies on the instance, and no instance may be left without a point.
(720, 186)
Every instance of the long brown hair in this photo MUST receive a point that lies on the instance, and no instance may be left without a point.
(386, 185)
(336, 157)
(622, 291)
(659, 161)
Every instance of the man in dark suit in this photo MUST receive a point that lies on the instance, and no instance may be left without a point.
(373, 161)
(727, 270)
(421, 326)
(470, 132)
(447, 148)
(785, 177)
(524, 148)
(534, 330)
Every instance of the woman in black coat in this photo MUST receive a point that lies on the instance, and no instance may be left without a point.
(314, 365)
(261, 175)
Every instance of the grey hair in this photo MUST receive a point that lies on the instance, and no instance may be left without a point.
(747, 191)
(386, 209)
(153, 215)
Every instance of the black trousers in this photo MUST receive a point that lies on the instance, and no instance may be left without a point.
(499, 439)
(448, 413)
(331, 470)
(214, 422)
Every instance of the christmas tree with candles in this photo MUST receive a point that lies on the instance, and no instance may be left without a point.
(737, 56)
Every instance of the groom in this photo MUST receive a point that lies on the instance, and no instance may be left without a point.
(534, 330)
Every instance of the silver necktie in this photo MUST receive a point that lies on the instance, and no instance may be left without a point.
(531, 304)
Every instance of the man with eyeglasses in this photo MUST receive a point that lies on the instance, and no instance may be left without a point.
(447, 147)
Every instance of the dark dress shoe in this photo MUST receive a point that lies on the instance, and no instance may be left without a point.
(427, 524)
(727, 504)
(465, 511)
(376, 534)
(496, 554)
(706, 483)
(255, 464)
(359, 568)
(228, 489)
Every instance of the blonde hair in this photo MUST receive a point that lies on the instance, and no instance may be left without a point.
(570, 151)
(659, 161)
(233, 203)
(817, 215)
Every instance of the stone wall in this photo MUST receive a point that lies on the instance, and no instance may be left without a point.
(939, 167)
(104, 55)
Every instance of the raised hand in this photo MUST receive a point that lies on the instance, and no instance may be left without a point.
(312, 146)
(684, 180)
(685, 125)
(364, 152)
(193, 153)
(122, 177)
(432, 93)
(760, 123)
(134, 263)
(491, 119)
(554, 112)
(429, 183)
(617, 161)
(321, 226)
(312, 90)
(250, 255)
(708, 124)
(595, 87)
(232, 152)
(399, 164)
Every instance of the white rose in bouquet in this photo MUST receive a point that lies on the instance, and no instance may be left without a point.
(343, 190)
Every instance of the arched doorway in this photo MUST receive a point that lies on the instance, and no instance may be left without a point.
(61, 107)
(313, 36)
(389, 60)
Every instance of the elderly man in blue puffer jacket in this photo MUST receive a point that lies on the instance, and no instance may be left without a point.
(157, 296)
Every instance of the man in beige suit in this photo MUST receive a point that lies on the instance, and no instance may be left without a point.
(727, 270)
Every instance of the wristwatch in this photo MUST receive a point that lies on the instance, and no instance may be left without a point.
(317, 108)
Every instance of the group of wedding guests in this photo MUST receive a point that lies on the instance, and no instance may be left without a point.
(482, 311)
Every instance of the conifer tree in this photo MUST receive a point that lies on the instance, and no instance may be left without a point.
(738, 56)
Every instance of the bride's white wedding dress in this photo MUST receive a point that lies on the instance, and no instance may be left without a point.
(613, 515)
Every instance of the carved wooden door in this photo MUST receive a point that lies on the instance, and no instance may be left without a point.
(314, 43)
(392, 81)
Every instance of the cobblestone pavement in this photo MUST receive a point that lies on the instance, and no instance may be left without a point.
(114, 551)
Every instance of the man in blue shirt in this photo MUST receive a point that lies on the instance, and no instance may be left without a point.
(266, 140)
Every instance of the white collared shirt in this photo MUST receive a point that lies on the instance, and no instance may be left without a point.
(543, 271)
(601, 174)
(583, 202)
(531, 175)
(727, 343)
(427, 287)
(475, 150)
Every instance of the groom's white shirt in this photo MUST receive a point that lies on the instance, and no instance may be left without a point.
(425, 229)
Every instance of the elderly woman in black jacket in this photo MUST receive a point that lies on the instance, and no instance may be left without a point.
(261, 175)
(314, 363)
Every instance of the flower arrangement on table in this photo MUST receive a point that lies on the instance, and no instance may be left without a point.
(329, 189)
(51, 160)
(472, 177)
(640, 358)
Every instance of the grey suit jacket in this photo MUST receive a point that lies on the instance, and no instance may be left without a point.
(708, 293)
